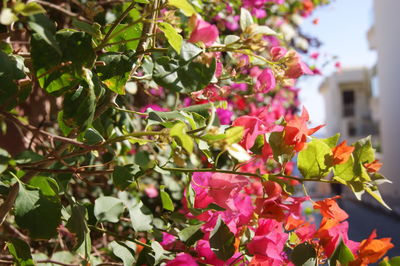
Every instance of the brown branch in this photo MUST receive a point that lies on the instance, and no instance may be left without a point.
(62, 10)
(56, 262)
(33, 129)
(72, 171)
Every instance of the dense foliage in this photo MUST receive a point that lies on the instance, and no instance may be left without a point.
(163, 132)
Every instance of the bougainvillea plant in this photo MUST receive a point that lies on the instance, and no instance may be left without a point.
(154, 132)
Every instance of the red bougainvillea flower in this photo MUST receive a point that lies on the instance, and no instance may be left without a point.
(341, 153)
(268, 242)
(182, 259)
(204, 32)
(373, 167)
(330, 209)
(296, 131)
(295, 66)
(371, 250)
(265, 81)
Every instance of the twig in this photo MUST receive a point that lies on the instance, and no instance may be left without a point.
(56, 262)
(72, 171)
(115, 24)
(62, 10)
(33, 129)
(55, 68)
(119, 236)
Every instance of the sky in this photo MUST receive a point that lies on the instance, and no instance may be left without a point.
(342, 29)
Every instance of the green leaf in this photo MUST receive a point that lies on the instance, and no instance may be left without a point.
(123, 251)
(246, 19)
(45, 28)
(141, 217)
(342, 254)
(125, 175)
(315, 161)
(345, 170)
(29, 9)
(92, 29)
(159, 253)
(7, 16)
(222, 241)
(186, 8)
(64, 256)
(9, 67)
(374, 192)
(234, 135)
(302, 253)
(31, 206)
(181, 73)
(92, 136)
(395, 261)
(79, 107)
(4, 159)
(127, 39)
(115, 72)
(20, 251)
(282, 152)
(166, 200)
(179, 131)
(77, 224)
(263, 30)
(332, 141)
(191, 234)
(108, 209)
(173, 37)
(61, 71)
(47, 185)
(363, 152)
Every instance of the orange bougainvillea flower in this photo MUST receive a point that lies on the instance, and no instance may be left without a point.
(341, 153)
(296, 131)
(330, 209)
(373, 167)
(371, 250)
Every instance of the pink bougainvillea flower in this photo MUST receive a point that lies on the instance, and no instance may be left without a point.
(151, 191)
(224, 189)
(277, 53)
(331, 232)
(182, 259)
(225, 116)
(204, 32)
(295, 66)
(296, 131)
(268, 241)
(265, 81)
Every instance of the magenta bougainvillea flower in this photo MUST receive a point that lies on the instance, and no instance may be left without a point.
(204, 32)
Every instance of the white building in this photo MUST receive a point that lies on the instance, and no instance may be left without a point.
(350, 106)
(384, 37)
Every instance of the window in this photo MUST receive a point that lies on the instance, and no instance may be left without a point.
(348, 103)
(351, 129)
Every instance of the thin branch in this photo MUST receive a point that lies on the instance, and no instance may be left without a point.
(56, 262)
(71, 171)
(62, 10)
(115, 24)
(118, 236)
(301, 180)
(33, 129)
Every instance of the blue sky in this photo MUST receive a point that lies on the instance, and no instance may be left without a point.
(342, 29)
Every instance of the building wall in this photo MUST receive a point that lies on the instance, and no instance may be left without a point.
(387, 43)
